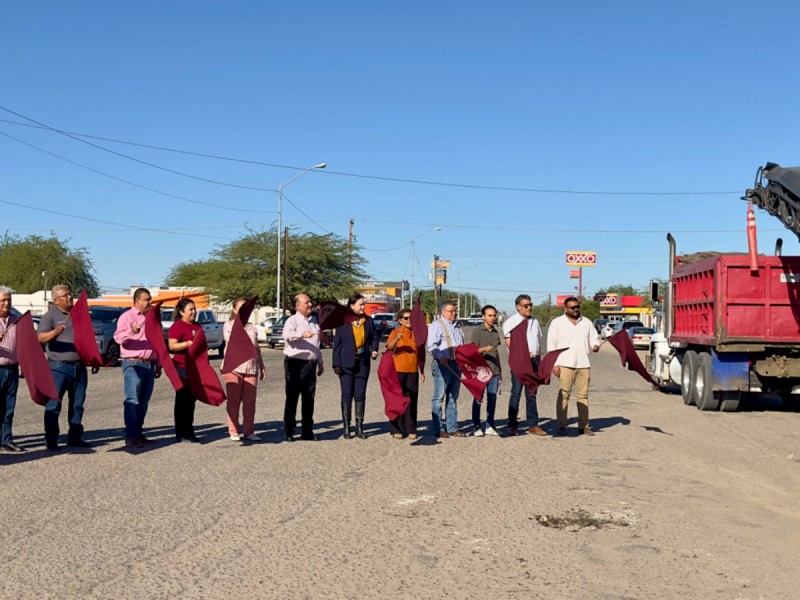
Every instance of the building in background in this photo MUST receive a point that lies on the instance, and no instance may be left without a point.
(382, 296)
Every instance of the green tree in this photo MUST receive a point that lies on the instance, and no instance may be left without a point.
(467, 301)
(22, 261)
(621, 289)
(318, 265)
(546, 311)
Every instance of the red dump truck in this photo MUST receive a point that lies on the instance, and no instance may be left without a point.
(728, 330)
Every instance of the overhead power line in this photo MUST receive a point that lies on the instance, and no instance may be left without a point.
(496, 188)
(132, 183)
(137, 160)
(125, 225)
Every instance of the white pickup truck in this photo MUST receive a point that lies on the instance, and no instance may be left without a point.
(206, 320)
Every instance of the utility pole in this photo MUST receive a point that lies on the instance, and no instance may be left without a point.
(285, 267)
(436, 282)
(350, 239)
(44, 276)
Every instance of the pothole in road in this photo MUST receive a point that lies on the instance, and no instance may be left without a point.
(579, 519)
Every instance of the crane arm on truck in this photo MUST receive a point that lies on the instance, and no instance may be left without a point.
(777, 190)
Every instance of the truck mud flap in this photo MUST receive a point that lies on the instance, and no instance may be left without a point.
(730, 371)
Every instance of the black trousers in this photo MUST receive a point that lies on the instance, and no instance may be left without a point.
(301, 382)
(407, 422)
(353, 382)
(184, 412)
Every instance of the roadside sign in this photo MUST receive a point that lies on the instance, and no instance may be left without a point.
(581, 258)
(610, 301)
(574, 273)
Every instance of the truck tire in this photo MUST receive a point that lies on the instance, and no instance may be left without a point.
(730, 400)
(791, 402)
(112, 354)
(221, 350)
(688, 367)
(704, 395)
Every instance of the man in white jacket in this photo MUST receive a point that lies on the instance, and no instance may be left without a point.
(578, 335)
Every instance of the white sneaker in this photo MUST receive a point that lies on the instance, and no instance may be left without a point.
(235, 438)
(252, 438)
(478, 432)
(491, 430)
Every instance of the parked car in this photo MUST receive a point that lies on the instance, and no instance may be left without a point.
(608, 330)
(599, 324)
(34, 320)
(263, 329)
(384, 323)
(206, 320)
(640, 336)
(275, 332)
(626, 326)
(104, 321)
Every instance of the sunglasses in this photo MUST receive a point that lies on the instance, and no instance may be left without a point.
(526, 305)
(576, 307)
(403, 318)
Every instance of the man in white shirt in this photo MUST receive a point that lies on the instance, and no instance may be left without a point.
(578, 335)
(524, 307)
(302, 364)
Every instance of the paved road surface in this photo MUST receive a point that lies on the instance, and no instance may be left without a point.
(664, 502)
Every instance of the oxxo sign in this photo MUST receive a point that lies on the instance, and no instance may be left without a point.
(581, 258)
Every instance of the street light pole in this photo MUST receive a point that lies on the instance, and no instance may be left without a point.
(414, 259)
(278, 303)
(44, 276)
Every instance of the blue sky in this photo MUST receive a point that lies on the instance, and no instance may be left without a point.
(626, 98)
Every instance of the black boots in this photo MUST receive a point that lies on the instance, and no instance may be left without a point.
(346, 420)
(360, 420)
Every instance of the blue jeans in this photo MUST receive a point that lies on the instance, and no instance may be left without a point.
(9, 380)
(491, 402)
(70, 379)
(138, 380)
(530, 401)
(446, 385)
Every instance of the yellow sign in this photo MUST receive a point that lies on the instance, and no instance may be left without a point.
(441, 264)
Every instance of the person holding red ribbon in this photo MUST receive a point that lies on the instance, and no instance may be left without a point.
(403, 346)
(182, 335)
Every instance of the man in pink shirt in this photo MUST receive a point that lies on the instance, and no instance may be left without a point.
(9, 372)
(302, 364)
(140, 367)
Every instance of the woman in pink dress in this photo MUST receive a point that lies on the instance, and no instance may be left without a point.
(240, 384)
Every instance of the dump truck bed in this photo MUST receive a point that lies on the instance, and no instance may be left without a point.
(719, 302)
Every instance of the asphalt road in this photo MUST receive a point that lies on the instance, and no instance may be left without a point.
(664, 502)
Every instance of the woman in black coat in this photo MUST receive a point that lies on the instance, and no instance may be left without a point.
(354, 345)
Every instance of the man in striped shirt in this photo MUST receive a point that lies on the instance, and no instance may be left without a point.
(9, 372)
(443, 337)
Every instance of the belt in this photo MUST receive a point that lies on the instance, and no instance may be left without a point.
(14, 366)
(144, 361)
(73, 363)
(288, 358)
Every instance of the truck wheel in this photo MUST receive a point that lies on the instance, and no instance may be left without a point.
(730, 400)
(704, 396)
(112, 354)
(790, 401)
(688, 367)
(221, 350)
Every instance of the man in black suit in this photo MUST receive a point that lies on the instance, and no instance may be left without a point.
(354, 345)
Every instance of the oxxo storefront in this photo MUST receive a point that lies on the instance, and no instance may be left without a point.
(625, 308)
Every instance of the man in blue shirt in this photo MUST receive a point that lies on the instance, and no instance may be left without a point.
(443, 337)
